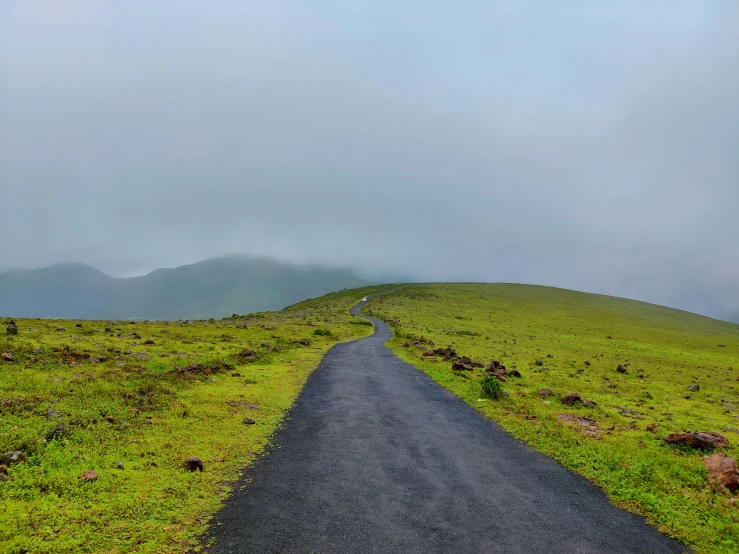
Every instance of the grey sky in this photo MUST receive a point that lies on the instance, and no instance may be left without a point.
(590, 145)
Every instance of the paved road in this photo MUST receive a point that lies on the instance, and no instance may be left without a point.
(376, 457)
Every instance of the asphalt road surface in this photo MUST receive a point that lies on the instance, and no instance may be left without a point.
(375, 457)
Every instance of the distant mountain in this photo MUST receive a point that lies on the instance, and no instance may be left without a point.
(217, 287)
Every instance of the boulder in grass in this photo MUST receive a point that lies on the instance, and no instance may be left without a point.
(722, 471)
(193, 463)
(703, 440)
(11, 328)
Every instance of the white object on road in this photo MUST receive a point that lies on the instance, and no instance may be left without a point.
(364, 299)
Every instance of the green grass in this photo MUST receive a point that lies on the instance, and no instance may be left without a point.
(664, 351)
(54, 399)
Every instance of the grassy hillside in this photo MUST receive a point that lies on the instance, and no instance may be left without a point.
(217, 287)
(579, 341)
(94, 396)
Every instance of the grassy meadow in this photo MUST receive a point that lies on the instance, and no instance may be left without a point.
(131, 402)
(573, 342)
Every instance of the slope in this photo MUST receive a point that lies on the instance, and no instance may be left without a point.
(572, 342)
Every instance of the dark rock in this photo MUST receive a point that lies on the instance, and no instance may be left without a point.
(571, 399)
(514, 373)
(587, 363)
(405, 345)
(236, 374)
(148, 341)
(249, 421)
(588, 403)
(89, 476)
(12, 457)
(704, 440)
(7, 357)
(109, 419)
(78, 325)
(539, 362)
(246, 353)
(694, 387)
(722, 471)
(56, 433)
(465, 360)
(429, 353)
(119, 465)
(108, 330)
(460, 366)
(652, 427)
(545, 393)
(621, 369)
(193, 463)
(11, 328)
(51, 412)
(3, 469)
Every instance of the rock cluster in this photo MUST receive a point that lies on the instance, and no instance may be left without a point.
(11, 328)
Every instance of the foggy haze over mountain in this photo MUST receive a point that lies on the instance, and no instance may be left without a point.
(583, 145)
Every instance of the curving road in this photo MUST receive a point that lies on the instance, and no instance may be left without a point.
(375, 457)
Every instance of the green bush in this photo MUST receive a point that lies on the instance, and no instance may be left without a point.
(491, 387)
(322, 332)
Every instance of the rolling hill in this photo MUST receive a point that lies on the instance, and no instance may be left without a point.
(217, 287)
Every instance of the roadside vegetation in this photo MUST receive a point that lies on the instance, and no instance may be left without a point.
(602, 382)
(102, 422)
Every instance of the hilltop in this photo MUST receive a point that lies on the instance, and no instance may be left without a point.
(212, 288)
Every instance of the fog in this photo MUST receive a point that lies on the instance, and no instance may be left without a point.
(593, 146)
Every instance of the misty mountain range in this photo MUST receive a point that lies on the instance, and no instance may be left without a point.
(216, 287)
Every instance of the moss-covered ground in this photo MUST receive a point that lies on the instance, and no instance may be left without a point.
(131, 402)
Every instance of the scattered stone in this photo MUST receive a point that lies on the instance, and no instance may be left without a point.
(11, 328)
(405, 345)
(539, 362)
(571, 398)
(78, 325)
(447, 353)
(621, 369)
(694, 387)
(546, 393)
(428, 353)
(3, 469)
(56, 433)
(588, 403)
(12, 457)
(514, 373)
(193, 463)
(249, 421)
(236, 374)
(587, 363)
(641, 444)
(459, 366)
(109, 419)
(119, 465)
(652, 427)
(722, 471)
(704, 440)
(89, 476)
(247, 355)
(148, 341)
(51, 412)
(8, 357)
(108, 330)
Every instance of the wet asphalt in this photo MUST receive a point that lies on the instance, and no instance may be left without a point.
(376, 457)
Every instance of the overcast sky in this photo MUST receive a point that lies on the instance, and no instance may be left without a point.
(589, 145)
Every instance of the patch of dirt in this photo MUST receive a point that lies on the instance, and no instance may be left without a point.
(584, 425)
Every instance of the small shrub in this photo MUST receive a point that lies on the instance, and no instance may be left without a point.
(322, 332)
(491, 387)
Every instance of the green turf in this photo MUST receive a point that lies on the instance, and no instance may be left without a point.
(664, 352)
(54, 401)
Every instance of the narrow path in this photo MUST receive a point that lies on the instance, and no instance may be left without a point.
(376, 457)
